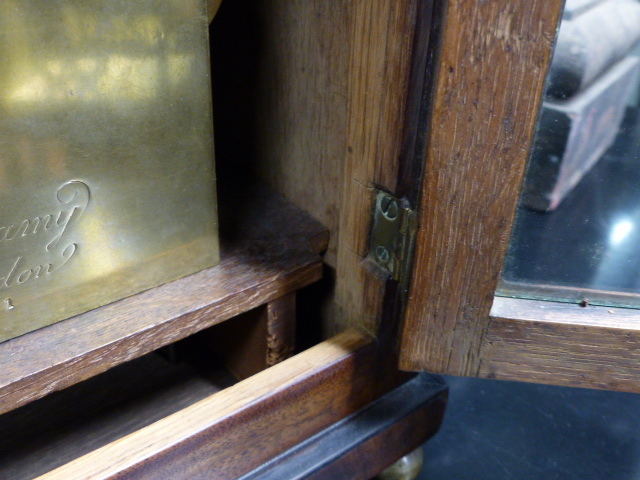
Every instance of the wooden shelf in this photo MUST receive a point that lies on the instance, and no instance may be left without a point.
(269, 249)
(62, 427)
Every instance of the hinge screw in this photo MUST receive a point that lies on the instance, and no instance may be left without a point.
(389, 207)
(382, 253)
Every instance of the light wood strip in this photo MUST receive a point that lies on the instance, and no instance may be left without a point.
(361, 446)
(381, 47)
(62, 427)
(295, 398)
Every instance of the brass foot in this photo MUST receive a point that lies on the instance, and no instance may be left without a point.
(407, 468)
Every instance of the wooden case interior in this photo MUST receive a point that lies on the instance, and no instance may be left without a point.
(309, 102)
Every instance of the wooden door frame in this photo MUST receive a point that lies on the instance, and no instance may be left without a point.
(493, 60)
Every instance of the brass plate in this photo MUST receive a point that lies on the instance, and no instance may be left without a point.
(106, 153)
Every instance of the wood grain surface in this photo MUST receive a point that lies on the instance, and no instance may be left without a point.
(267, 254)
(381, 53)
(563, 344)
(241, 427)
(313, 96)
(281, 329)
(279, 71)
(251, 342)
(299, 113)
(494, 56)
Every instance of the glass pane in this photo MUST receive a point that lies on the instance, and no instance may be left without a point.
(577, 231)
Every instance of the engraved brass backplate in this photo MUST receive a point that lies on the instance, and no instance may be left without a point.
(106, 153)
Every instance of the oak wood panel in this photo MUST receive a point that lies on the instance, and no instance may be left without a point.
(381, 49)
(494, 56)
(563, 344)
(266, 254)
(232, 432)
(381, 41)
(300, 111)
(279, 72)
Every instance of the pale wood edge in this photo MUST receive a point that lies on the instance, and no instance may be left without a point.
(568, 293)
(117, 457)
(565, 313)
(562, 344)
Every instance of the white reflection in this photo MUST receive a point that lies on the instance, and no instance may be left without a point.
(620, 231)
(36, 89)
(103, 254)
(117, 78)
(130, 78)
(89, 53)
(87, 64)
(55, 67)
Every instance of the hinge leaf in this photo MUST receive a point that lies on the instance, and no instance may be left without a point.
(393, 236)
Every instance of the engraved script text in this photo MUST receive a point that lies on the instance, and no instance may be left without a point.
(73, 198)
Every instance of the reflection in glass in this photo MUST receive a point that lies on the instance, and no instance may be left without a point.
(577, 231)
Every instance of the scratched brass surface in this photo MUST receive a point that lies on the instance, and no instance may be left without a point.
(106, 153)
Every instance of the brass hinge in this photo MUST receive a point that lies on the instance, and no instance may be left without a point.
(393, 236)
